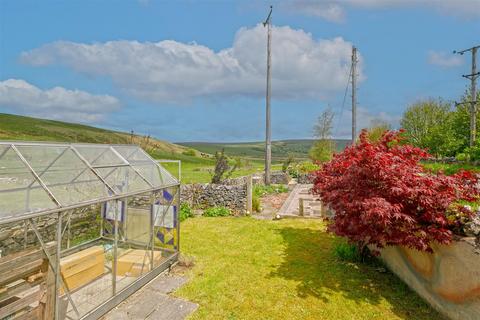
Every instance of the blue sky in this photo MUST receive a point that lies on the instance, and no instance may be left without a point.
(195, 70)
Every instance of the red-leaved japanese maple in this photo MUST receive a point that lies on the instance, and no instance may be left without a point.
(381, 195)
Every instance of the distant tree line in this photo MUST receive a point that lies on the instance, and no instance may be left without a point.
(441, 127)
(323, 148)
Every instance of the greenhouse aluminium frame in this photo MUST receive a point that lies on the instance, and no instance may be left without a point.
(54, 178)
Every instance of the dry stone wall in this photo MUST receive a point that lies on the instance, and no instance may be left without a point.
(276, 177)
(83, 222)
(232, 193)
(203, 196)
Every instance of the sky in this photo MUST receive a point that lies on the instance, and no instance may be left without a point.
(196, 70)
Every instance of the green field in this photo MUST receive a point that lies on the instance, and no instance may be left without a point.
(257, 269)
(255, 150)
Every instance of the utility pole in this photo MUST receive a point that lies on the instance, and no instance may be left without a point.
(354, 94)
(268, 131)
(473, 92)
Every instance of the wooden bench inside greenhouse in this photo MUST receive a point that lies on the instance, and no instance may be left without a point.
(27, 285)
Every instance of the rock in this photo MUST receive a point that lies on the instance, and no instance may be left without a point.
(472, 228)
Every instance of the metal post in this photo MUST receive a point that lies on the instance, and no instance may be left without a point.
(152, 230)
(57, 266)
(68, 234)
(179, 171)
(115, 244)
(177, 218)
(268, 131)
(25, 234)
(354, 94)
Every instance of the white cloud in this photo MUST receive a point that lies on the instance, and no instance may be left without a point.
(56, 103)
(443, 59)
(332, 9)
(365, 119)
(166, 71)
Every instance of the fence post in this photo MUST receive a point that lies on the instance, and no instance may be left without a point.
(300, 207)
(249, 194)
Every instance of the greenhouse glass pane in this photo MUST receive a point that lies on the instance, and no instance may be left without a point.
(99, 155)
(20, 193)
(64, 173)
(155, 174)
(133, 154)
(123, 179)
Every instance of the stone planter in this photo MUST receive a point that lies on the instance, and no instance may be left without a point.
(448, 279)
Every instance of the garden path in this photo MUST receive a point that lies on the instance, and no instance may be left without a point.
(153, 302)
(312, 207)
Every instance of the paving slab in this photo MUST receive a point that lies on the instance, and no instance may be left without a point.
(152, 302)
(312, 205)
(166, 284)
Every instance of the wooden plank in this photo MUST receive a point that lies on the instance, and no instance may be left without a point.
(81, 261)
(19, 304)
(12, 261)
(21, 271)
(82, 267)
(32, 314)
(47, 308)
(17, 288)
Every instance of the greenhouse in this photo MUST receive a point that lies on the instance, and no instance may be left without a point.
(82, 227)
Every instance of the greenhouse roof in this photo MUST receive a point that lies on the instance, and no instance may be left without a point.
(40, 178)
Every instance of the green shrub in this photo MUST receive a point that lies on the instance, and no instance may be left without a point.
(217, 212)
(461, 157)
(347, 252)
(185, 212)
(286, 164)
(302, 168)
(255, 203)
(189, 152)
(473, 153)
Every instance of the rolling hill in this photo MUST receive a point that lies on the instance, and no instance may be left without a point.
(255, 150)
(14, 127)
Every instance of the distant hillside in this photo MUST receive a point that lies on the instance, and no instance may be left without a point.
(13, 127)
(255, 150)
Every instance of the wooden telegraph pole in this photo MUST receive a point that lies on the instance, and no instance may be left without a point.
(473, 92)
(354, 94)
(268, 133)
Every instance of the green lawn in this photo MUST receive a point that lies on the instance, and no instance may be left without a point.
(250, 269)
(201, 172)
(450, 168)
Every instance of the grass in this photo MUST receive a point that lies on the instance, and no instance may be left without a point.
(261, 190)
(251, 269)
(450, 168)
(201, 172)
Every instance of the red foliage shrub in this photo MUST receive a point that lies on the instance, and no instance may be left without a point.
(381, 195)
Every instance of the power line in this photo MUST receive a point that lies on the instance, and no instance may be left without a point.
(344, 99)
